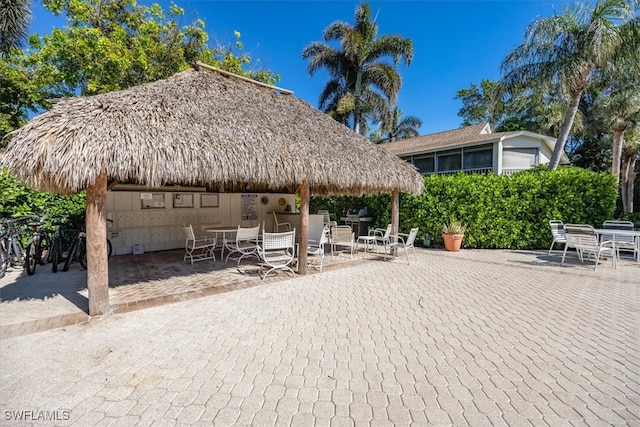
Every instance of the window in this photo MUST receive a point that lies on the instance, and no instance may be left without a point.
(478, 158)
(519, 158)
(450, 161)
(424, 163)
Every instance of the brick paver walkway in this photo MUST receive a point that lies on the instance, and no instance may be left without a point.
(474, 338)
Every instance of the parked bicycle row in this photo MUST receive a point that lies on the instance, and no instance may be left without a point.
(31, 240)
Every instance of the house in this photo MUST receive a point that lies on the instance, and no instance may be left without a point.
(475, 149)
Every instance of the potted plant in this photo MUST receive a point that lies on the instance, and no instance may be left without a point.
(426, 242)
(452, 234)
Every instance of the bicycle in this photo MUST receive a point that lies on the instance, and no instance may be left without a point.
(4, 253)
(38, 243)
(12, 242)
(78, 250)
(55, 255)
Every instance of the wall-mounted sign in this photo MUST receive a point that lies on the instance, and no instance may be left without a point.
(152, 200)
(209, 201)
(183, 200)
(249, 207)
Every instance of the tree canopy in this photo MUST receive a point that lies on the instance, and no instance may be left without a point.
(569, 48)
(105, 46)
(360, 79)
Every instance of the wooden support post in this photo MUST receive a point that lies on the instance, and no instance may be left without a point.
(395, 215)
(304, 228)
(97, 261)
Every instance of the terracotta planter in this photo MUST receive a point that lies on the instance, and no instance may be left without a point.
(452, 242)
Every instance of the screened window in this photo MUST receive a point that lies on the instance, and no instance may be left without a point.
(424, 163)
(450, 161)
(481, 158)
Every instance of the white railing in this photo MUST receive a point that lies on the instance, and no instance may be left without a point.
(511, 171)
(466, 171)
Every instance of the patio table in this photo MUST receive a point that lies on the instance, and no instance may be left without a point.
(224, 230)
(621, 233)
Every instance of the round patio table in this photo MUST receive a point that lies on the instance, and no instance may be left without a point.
(224, 230)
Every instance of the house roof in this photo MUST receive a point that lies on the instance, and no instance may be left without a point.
(201, 128)
(465, 136)
(447, 139)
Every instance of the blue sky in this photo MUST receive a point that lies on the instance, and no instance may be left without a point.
(456, 43)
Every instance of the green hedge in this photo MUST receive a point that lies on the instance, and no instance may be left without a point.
(500, 211)
(17, 199)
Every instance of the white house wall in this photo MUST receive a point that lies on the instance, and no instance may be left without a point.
(161, 229)
(523, 141)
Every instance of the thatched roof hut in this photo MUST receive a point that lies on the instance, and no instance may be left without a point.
(197, 128)
(201, 128)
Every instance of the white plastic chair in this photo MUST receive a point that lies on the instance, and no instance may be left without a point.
(245, 243)
(277, 225)
(198, 248)
(342, 235)
(277, 251)
(315, 248)
(404, 241)
(624, 243)
(584, 240)
(558, 233)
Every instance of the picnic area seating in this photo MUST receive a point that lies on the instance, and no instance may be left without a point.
(404, 241)
(197, 248)
(277, 251)
(622, 243)
(558, 233)
(342, 236)
(245, 244)
(583, 238)
(315, 248)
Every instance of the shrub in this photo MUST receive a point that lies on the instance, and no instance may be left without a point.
(499, 211)
(16, 199)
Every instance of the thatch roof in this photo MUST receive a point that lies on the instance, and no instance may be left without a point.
(201, 128)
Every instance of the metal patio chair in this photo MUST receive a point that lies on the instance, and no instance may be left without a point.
(277, 251)
(198, 248)
(622, 243)
(584, 240)
(245, 244)
(315, 248)
(404, 241)
(558, 233)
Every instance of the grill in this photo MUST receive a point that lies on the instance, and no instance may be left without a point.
(359, 220)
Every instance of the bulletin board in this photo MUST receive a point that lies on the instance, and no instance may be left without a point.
(152, 200)
(209, 201)
(249, 207)
(183, 200)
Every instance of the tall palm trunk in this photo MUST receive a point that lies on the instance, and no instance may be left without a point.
(356, 106)
(569, 116)
(628, 179)
(616, 153)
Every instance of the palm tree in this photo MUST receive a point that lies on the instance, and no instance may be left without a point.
(14, 24)
(630, 153)
(356, 68)
(618, 107)
(569, 48)
(394, 127)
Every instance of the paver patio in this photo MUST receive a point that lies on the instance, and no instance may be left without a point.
(472, 338)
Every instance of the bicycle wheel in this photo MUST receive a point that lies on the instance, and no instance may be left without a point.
(71, 255)
(109, 249)
(31, 258)
(4, 259)
(44, 249)
(16, 257)
(55, 256)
